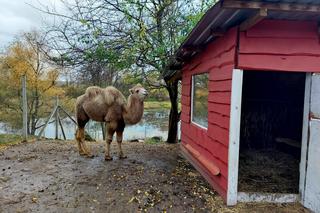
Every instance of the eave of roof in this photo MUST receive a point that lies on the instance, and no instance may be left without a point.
(222, 16)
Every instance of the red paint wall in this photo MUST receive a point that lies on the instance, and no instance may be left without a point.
(218, 59)
(280, 45)
(270, 45)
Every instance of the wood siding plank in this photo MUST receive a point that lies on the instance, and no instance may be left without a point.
(218, 133)
(279, 63)
(218, 119)
(220, 86)
(221, 73)
(284, 29)
(220, 97)
(282, 46)
(218, 60)
(185, 100)
(223, 109)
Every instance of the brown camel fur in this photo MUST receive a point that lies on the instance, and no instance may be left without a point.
(110, 106)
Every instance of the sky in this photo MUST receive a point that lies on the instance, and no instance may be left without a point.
(18, 16)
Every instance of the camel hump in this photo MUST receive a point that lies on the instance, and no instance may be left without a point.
(93, 91)
(113, 95)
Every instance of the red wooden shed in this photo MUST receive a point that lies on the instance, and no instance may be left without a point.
(251, 100)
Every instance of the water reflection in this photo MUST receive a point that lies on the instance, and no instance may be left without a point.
(153, 123)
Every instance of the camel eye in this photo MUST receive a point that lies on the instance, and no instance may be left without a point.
(137, 91)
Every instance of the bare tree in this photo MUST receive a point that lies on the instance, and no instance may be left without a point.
(133, 35)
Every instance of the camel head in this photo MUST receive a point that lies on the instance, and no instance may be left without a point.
(139, 91)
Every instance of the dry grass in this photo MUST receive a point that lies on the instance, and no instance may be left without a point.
(268, 171)
(7, 140)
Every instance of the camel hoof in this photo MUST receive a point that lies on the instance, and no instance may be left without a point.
(82, 154)
(123, 157)
(89, 156)
(108, 158)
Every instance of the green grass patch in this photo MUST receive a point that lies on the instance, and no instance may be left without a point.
(153, 140)
(12, 139)
(6, 139)
(158, 105)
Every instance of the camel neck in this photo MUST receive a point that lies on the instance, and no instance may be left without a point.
(134, 110)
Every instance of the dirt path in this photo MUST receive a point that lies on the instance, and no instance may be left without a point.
(51, 177)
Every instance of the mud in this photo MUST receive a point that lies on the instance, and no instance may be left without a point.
(50, 176)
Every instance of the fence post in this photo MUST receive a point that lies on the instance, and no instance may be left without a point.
(103, 130)
(57, 117)
(24, 108)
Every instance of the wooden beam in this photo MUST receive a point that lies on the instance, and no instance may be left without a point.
(293, 7)
(68, 114)
(103, 130)
(234, 136)
(218, 32)
(24, 109)
(250, 22)
(61, 126)
(267, 197)
(45, 125)
(176, 77)
(57, 119)
(192, 49)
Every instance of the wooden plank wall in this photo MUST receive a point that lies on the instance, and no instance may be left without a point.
(218, 59)
(280, 45)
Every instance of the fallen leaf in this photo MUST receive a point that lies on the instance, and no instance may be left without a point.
(134, 199)
(34, 200)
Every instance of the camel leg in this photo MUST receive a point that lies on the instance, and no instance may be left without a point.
(119, 141)
(79, 138)
(109, 135)
(83, 149)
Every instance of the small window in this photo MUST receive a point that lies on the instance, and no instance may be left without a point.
(200, 99)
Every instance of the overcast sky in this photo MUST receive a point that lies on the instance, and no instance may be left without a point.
(17, 16)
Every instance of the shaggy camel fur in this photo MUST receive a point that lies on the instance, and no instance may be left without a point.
(110, 106)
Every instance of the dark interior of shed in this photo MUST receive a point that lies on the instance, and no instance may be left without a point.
(271, 131)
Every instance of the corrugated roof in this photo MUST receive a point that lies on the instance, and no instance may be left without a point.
(220, 18)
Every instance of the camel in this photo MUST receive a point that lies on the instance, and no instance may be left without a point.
(110, 106)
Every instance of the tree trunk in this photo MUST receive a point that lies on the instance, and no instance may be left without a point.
(174, 115)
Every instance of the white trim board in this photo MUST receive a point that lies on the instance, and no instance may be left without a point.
(267, 197)
(312, 186)
(234, 136)
(305, 136)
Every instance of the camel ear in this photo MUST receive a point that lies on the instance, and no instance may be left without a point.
(131, 91)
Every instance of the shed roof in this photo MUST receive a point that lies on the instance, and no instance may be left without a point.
(229, 13)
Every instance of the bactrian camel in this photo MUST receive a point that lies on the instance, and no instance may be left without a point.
(110, 106)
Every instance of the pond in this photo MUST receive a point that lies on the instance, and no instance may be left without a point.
(153, 123)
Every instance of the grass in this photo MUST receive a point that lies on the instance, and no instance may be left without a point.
(153, 140)
(11, 139)
(158, 105)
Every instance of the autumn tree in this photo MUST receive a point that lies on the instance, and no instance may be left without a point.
(136, 35)
(24, 57)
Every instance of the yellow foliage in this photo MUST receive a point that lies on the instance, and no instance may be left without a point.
(22, 59)
(25, 57)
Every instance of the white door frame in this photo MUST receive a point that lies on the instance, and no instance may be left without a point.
(305, 136)
(234, 136)
(234, 145)
(311, 188)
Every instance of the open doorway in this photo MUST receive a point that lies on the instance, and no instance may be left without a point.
(271, 131)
